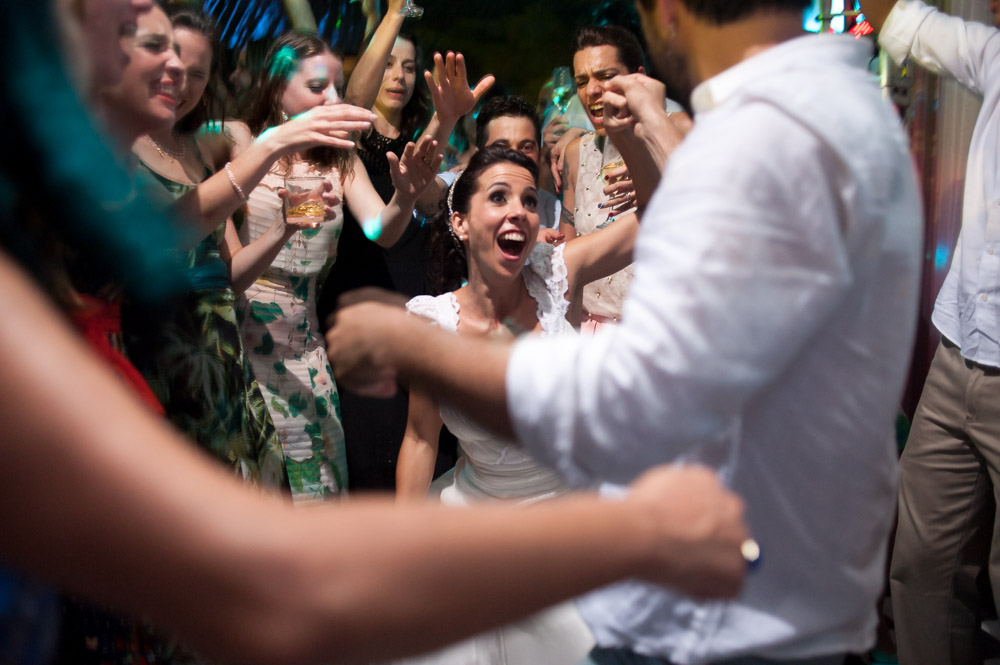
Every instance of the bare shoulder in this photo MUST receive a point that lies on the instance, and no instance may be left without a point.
(223, 141)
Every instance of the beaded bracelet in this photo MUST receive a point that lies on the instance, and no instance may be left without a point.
(236, 187)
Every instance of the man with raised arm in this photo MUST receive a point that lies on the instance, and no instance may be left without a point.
(767, 333)
(950, 468)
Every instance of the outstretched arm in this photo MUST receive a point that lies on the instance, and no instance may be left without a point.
(453, 98)
(362, 88)
(602, 253)
(215, 199)
(384, 223)
(374, 568)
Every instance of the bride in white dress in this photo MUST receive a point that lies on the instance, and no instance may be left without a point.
(504, 284)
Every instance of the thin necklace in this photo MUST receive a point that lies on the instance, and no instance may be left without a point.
(166, 152)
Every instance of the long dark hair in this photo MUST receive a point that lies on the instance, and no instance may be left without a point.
(450, 265)
(417, 112)
(283, 60)
(195, 21)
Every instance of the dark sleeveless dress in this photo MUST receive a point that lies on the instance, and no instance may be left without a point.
(373, 428)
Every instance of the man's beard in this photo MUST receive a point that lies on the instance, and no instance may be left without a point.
(672, 68)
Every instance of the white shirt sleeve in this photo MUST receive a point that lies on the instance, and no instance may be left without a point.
(965, 50)
(737, 263)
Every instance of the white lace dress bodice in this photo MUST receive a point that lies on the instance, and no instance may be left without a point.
(490, 467)
(493, 468)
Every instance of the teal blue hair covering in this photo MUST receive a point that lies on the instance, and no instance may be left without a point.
(58, 166)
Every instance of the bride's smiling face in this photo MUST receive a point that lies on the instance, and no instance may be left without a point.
(501, 225)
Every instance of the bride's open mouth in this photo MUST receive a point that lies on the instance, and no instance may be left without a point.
(512, 244)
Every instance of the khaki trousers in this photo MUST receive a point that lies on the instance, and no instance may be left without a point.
(947, 532)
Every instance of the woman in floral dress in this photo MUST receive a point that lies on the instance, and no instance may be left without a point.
(279, 322)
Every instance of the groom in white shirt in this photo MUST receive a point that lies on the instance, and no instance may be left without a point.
(950, 469)
(767, 334)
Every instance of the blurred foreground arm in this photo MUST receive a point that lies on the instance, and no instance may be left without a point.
(132, 493)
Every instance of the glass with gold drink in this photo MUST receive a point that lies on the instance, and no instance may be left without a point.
(304, 203)
(608, 168)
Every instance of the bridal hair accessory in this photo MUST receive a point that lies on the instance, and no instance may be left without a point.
(451, 211)
(451, 196)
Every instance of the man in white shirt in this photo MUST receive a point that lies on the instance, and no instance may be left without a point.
(950, 468)
(767, 334)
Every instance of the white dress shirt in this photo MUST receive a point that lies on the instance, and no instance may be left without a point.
(968, 305)
(767, 334)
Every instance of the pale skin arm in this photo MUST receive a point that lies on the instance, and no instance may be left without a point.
(602, 253)
(418, 452)
(215, 199)
(362, 88)
(452, 98)
(877, 11)
(557, 157)
(375, 568)
(567, 225)
(410, 176)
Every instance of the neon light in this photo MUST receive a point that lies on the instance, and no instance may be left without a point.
(372, 228)
(941, 255)
(838, 23)
(862, 29)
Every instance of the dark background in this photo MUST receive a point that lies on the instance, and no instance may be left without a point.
(519, 41)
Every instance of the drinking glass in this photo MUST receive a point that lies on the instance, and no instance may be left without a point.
(304, 202)
(562, 88)
(410, 10)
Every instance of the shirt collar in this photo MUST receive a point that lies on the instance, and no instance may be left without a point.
(805, 51)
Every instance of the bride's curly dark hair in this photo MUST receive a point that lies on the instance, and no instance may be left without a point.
(450, 266)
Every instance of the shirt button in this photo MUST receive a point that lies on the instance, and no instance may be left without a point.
(984, 297)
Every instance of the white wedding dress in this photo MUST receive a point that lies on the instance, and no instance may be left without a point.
(490, 468)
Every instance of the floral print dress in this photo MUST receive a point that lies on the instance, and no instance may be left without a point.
(284, 342)
(197, 367)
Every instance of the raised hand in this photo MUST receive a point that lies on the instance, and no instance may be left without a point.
(639, 126)
(327, 125)
(416, 169)
(634, 110)
(449, 86)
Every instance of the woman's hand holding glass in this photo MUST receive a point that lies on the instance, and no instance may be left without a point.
(327, 199)
(618, 188)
